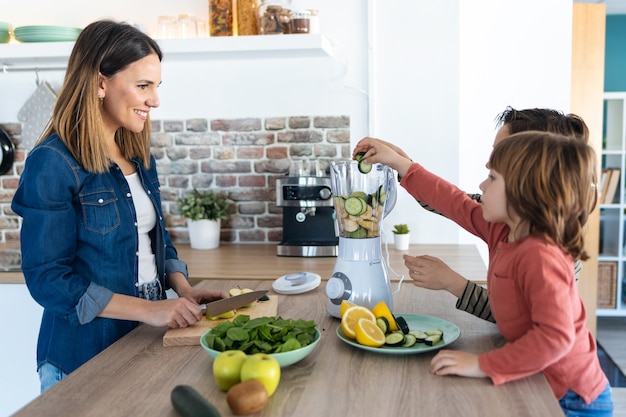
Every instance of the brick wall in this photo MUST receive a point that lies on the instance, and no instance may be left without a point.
(241, 157)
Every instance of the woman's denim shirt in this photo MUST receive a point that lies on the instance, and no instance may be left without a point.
(79, 245)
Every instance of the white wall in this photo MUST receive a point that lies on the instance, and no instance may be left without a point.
(438, 73)
(455, 65)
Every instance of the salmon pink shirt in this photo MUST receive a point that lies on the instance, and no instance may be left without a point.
(533, 294)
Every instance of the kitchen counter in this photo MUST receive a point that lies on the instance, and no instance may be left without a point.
(135, 376)
(259, 261)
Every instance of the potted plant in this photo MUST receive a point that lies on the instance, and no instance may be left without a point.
(204, 211)
(401, 236)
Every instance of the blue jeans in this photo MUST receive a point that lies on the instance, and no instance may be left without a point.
(49, 375)
(574, 406)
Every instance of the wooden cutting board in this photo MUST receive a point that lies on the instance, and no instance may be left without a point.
(190, 336)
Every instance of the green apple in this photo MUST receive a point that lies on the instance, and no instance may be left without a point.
(263, 368)
(227, 368)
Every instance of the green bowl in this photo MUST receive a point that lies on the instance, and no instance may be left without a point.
(5, 36)
(284, 358)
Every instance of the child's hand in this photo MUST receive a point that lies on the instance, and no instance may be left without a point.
(379, 151)
(454, 362)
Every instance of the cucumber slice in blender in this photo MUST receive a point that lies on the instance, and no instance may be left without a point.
(354, 206)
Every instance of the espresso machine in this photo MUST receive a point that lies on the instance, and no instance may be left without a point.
(308, 216)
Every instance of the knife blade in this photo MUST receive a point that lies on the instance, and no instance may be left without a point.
(215, 308)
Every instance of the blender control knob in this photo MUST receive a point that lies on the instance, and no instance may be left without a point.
(335, 288)
(300, 217)
(325, 193)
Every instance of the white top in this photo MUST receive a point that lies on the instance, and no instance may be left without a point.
(146, 220)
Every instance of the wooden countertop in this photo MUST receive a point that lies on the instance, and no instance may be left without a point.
(259, 261)
(134, 377)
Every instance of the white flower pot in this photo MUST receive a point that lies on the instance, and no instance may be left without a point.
(204, 234)
(402, 241)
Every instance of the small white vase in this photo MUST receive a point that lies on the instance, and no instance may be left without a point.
(204, 234)
(402, 241)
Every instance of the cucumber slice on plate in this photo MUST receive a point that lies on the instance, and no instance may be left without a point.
(394, 339)
(409, 340)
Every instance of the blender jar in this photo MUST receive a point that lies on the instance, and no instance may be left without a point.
(361, 200)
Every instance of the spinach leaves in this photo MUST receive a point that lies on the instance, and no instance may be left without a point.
(261, 335)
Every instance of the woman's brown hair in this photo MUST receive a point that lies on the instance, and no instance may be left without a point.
(103, 47)
(550, 182)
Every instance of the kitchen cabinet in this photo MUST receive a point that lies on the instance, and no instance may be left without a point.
(612, 256)
(54, 55)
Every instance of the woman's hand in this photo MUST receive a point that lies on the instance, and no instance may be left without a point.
(433, 273)
(454, 362)
(379, 151)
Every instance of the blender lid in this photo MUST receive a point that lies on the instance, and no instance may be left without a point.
(296, 283)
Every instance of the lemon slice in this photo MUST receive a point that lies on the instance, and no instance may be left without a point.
(369, 334)
(345, 304)
(382, 310)
(351, 317)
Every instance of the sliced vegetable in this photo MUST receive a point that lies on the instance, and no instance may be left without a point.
(394, 339)
(420, 336)
(402, 324)
(383, 323)
(433, 339)
(409, 340)
(355, 206)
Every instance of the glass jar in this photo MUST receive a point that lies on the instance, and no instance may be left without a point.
(274, 18)
(300, 21)
(247, 20)
(220, 17)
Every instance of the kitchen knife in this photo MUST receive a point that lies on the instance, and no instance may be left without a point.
(215, 308)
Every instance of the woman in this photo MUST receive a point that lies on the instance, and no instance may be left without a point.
(95, 251)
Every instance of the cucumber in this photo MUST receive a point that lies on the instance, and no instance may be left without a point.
(383, 323)
(394, 339)
(420, 336)
(409, 340)
(434, 332)
(402, 324)
(364, 167)
(189, 403)
(433, 340)
(354, 206)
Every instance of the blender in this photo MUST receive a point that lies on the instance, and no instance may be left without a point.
(362, 199)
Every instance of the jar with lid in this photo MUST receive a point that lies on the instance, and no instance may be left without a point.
(274, 17)
(300, 21)
(221, 17)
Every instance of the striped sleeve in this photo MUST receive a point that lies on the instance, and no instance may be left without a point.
(475, 300)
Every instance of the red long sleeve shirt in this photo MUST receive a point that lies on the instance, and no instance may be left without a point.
(533, 294)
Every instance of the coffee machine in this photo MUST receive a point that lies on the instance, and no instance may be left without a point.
(308, 216)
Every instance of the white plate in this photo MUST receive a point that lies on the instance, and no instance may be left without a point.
(296, 283)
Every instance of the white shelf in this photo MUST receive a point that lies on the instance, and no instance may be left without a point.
(612, 217)
(54, 55)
